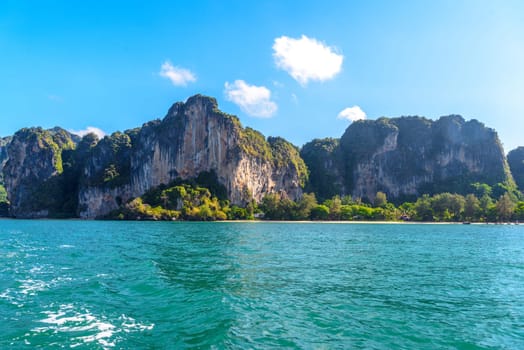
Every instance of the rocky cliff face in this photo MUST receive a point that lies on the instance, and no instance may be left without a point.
(33, 168)
(193, 138)
(408, 156)
(3, 156)
(53, 173)
(516, 163)
(323, 158)
(48, 175)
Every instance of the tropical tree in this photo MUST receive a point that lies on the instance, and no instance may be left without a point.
(380, 199)
(423, 208)
(505, 207)
(471, 207)
(320, 212)
(305, 205)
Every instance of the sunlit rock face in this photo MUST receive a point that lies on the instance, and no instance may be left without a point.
(52, 173)
(409, 156)
(194, 137)
(412, 156)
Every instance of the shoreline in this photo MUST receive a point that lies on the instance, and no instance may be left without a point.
(364, 222)
(367, 222)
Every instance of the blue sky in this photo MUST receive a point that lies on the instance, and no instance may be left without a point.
(286, 68)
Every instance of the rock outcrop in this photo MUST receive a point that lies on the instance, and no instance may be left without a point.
(98, 176)
(3, 156)
(52, 173)
(193, 138)
(516, 164)
(324, 158)
(409, 156)
(32, 171)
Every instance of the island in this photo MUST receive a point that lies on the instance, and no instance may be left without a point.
(199, 163)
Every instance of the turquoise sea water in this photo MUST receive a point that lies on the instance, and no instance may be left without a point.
(148, 285)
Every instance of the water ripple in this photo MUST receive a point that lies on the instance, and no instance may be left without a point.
(260, 285)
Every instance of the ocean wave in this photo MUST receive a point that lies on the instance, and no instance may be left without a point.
(84, 326)
(31, 286)
(25, 289)
(65, 246)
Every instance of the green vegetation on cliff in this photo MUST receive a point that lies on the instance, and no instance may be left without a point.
(183, 200)
(516, 163)
(113, 155)
(174, 202)
(365, 137)
(441, 170)
(59, 193)
(406, 157)
(189, 200)
(52, 142)
(285, 154)
(321, 157)
(4, 203)
(273, 149)
(3, 194)
(43, 157)
(253, 143)
(282, 153)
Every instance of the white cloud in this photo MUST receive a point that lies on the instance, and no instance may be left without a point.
(306, 59)
(253, 100)
(178, 76)
(352, 114)
(90, 129)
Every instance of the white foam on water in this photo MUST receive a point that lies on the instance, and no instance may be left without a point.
(69, 320)
(96, 329)
(65, 246)
(129, 324)
(10, 296)
(35, 269)
(31, 287)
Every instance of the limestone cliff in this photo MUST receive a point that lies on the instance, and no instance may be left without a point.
(3, 156)
(33, 169)
(4, 205)
(323, 158)
(194, 137)
(52, 173)
(516, 163)
(409, 156)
